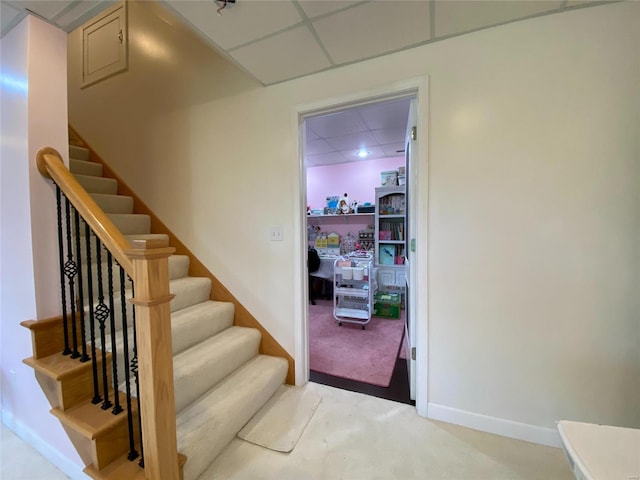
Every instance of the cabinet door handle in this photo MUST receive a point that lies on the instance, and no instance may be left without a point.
(120, 36)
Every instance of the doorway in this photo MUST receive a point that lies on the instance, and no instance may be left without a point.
(357, 155)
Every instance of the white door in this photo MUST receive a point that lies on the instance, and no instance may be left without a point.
(411, 154)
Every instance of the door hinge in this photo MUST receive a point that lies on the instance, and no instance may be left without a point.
(414, 133)
(413, 353)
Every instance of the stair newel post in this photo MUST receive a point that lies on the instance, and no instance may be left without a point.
(155, 357)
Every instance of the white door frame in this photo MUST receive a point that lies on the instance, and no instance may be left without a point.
(419, 203)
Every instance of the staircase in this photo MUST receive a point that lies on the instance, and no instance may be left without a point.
(221, 380)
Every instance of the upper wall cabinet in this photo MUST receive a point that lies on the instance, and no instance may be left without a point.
(104, 45)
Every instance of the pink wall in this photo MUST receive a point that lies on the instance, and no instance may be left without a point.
(358, 179)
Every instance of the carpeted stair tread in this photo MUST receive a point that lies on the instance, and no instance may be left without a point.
(131, 223)
(127, 223)
(98, 184)
(178, 266)
(228, 350)
(189, 291)
(206, 427)
(148, 236)
(190, 325)
(113, 203)
(83, 167)
(79, 153)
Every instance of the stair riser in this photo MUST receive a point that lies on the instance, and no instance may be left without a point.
(69, 391)
(130, 224)
(220, 414)
(113, 203)
(228, 351)
(100, 446)
(190, 326)
(79, 153)
(82, 167)
(98, 184)
(177, 269)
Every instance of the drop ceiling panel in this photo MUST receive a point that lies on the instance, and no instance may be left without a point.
(393, 133)
(336, 124)
(453, 17)
(353, 141)
(372, 29)
(239, 24)
(9, 16)
(45, 8)
(315, 8)
(297, 54)
(386, 114)
(393, 149)
(350, 155)
(73, 16)
(324, 159)
(316, 147)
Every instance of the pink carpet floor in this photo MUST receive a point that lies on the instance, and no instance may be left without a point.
(347, 351)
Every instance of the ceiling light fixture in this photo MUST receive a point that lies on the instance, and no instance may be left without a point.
(363, 153)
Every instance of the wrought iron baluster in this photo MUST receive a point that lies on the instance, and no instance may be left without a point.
(63, 290)
(102, 313)
(133, 454)
(134, 370)
(70, 270)
(83, 336)
(114, 349)
(92, 327)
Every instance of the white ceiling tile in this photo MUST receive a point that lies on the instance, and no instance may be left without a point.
(324, 159)
(311, 135)
(241, 23)
(315, 8)
(336, 124)
(44, 8)
(316, 147)
(298, 54)
(74, 15)
(454, 16)
(374, 152)
(352, 142)
(393, 149)
(573, 3)
(386, 114)
(9, 16)
(391, 134)
(374, 28)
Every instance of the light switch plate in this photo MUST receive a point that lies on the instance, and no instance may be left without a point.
(275, 233)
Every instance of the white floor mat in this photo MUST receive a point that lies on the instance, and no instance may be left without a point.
(282, 420)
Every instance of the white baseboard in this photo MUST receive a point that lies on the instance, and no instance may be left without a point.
(498, 426)
(69, 467)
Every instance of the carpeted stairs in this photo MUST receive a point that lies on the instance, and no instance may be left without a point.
(221, 380)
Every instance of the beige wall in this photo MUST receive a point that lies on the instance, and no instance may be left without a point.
(534, 182)
(34, 115)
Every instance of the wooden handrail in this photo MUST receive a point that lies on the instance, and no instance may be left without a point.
(50, 165)
(146, 262)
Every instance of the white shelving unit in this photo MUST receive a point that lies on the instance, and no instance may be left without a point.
(390, 239)
(353, 290)
(348, 218)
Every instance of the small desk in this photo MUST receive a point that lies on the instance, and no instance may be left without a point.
(324, 273)
(326, 268)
